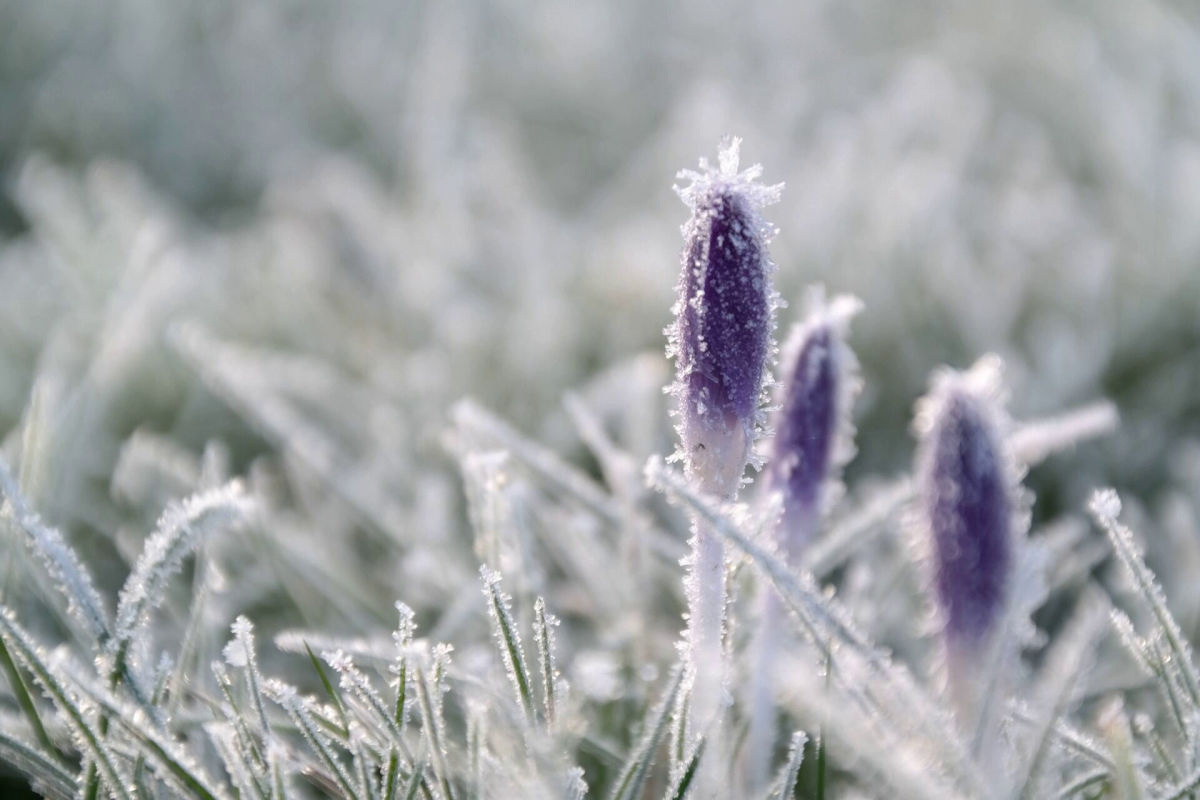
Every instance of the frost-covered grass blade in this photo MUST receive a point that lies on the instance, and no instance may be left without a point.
(508, 640)
(91, 741)
(59, 560)
(637, 768)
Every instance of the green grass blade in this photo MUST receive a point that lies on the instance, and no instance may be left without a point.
(25, 701)
(414, 782)
(689, 773)
(543, 627)
(334, 698)
(61, 563)
(790, 773)
(633, 774)
(32, 762)
(430, 723)
(508, 640)
(159, 746)
(290, 701)
(25, 651)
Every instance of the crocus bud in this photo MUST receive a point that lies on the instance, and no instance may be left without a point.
(721, 341)
(724, 319)
(969, 498)
(813, 432)
(813, 440)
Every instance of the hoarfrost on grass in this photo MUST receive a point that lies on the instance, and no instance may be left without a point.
(313, 341)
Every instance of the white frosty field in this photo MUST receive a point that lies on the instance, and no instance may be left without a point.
(335, 456)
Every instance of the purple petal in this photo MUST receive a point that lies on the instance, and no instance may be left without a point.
(968, 499)
(725, 320)
(725, 317)
(806, 424)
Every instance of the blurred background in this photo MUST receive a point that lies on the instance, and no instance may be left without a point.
(227, 220)
(282, 238)
(475, 197)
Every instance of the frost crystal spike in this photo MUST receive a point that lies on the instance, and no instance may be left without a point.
(968, 486)
(724, 318)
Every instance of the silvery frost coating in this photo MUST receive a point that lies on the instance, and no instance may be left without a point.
(724, 318)
(969, 499)
(813, 432)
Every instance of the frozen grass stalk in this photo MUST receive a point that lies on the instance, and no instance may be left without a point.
(813, 440)
(721, 342)
(970, 502)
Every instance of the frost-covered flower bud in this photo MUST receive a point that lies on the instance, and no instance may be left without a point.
(724, 319)
(813, 431)
(969, 498)
(721, 341)
(813, 440)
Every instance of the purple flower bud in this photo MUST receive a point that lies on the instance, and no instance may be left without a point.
(725, 317)
(807, 415)
(813, 433)
(968, 494)
(721, 340)
(813, 440)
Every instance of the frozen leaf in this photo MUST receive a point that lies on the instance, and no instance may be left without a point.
(59, 560)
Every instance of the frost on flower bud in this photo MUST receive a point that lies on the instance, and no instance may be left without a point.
(725, 317)
(813, 432)
(970, 501)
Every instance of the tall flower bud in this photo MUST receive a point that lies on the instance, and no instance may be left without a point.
(813, 432)
(813, 441)
(724, 319)
(721, 342)
(971, 504)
